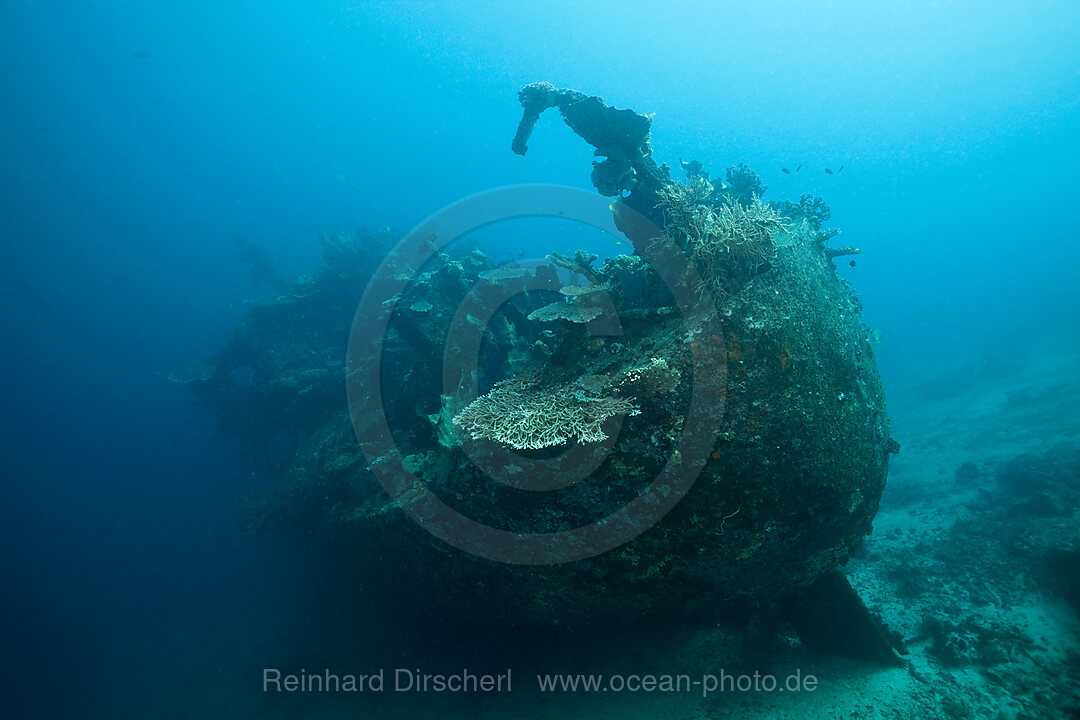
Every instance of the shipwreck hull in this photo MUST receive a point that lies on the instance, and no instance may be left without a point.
(783, 477)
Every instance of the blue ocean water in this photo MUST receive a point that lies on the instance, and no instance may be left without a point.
(140, 139)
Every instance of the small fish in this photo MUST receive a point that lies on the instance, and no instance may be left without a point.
(141, 55)
(618, 242)
(828, 171)
(852, 263)
(785, 171)
(798, 168)
(840, 170)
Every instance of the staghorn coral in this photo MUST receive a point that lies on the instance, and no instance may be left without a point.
(524, 416)
(730, 244)
(581, 263)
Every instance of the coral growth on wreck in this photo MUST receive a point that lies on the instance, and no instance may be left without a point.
(790, 443)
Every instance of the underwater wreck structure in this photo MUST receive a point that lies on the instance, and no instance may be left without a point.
(729, 313)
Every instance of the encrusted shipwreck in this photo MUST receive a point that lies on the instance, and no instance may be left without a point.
(745, 373)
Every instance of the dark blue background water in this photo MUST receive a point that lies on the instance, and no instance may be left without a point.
(139, 138)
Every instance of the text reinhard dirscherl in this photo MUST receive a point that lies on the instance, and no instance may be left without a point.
(405, 680)
(401, 680)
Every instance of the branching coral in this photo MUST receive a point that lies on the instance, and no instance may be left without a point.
(810, 207)
(730, 243)
(743, 184)
(681, 200)
(525, 416)
(581, 263)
